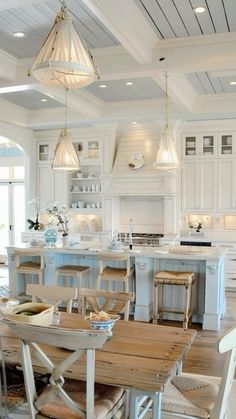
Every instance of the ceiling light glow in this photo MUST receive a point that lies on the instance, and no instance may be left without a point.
(103, 86)
(232, 83)
(129, 83)
(199, 9)
(18, 34)
(44, 100)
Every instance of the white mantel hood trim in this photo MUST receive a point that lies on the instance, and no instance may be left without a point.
(145, 180)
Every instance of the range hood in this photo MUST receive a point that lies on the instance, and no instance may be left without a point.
(133, 171)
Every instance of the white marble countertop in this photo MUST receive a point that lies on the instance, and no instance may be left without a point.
(161, 252)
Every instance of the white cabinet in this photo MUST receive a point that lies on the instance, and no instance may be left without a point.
(227, 185)
(227, 145)
(230, 265)
(199, 185)
(209, 172)
(52, 185)
(201, 145)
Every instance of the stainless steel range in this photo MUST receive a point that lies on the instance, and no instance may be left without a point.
(141, 239)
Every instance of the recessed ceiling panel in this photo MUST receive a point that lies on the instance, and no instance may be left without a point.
(177, 18)
(205, 83)
(118, 90)
(37, 19)
(31, 99)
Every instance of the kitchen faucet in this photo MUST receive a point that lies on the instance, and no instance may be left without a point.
(130, 233)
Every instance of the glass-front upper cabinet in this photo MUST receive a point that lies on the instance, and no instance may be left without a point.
(190, 146)
(227, 145)
(201, 145)
(88, 150)
(43, 152)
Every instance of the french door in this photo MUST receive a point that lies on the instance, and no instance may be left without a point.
(12, 214)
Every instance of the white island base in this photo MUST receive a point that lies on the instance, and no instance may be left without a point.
(208, 299)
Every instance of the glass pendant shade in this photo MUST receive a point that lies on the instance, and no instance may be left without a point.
(65, 157)
(166, 157)
(64, 60)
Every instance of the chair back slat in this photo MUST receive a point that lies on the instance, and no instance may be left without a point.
(109, 301)
(80, 342)
(227, 343)
(52, 293)
(57, 336)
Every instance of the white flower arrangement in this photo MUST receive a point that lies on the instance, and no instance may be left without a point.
(59, 217)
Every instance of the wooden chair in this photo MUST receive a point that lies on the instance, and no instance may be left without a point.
(112, 273)
(73, 271)
(109, 301)
(52, 293)
(66, 398)
(12, 388)
(183, 279)
(190, 396)
(29, 267)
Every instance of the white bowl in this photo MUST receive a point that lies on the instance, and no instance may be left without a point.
(105, 325)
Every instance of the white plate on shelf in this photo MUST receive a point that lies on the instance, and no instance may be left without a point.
(136, 161)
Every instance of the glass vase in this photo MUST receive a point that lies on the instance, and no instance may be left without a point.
(50, 236)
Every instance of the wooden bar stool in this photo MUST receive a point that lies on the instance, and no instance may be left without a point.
(163, 278)
(33, 266)
(112, 273)
(75, 271)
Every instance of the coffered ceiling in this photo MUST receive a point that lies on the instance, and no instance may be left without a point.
(133, 43)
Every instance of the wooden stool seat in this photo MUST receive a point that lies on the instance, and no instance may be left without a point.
(112, 273)
(34, 266)
(162, 278)
(75, 271)
(29, 266)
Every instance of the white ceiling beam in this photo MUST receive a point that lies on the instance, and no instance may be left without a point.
(128, 25)
(8, 66)
(78, 100)
(199, 53)
(180, 90)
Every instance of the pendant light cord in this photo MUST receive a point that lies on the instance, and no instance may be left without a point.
(66, 97)
(166, 100)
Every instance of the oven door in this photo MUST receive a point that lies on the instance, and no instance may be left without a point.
(193, 243)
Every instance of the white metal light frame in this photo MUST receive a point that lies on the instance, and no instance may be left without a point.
(64, 59)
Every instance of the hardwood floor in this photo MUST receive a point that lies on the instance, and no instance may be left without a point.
(203, 358)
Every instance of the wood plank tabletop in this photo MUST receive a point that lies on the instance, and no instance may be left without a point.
(138, 355)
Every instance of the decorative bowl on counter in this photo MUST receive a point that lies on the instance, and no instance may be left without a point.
(102, 321)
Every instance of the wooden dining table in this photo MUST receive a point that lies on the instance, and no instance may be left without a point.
(139, 356)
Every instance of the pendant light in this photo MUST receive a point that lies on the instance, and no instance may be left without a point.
(166, 158)
(64, 60)
(65, 157)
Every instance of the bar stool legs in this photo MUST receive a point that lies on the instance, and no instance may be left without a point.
(76, 272)
(163, 278)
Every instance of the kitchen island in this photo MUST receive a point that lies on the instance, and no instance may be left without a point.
(208, 298)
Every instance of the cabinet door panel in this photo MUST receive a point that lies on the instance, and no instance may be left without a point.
(190, 185)
(45, 184)
(60, 187)
(226, 184)
(208, 184)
